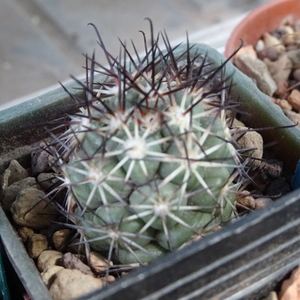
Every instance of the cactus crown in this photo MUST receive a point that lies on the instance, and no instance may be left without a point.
(150, 157)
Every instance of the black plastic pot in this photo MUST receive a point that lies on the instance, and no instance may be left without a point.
(4, 289)
(245, 260)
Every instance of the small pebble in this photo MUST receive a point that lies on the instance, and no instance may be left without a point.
(73, 284)
(245, 200)
(48, 274)
(271, 169)
(15, 172)
(40, 159)
(268, 52)
(253, 141)
(37, 243)
(262, 202)
(294, 99)
(282, 89)
(71, 261)
(272, 41)
(246, 49)
(47, 180)
(31, 209)
(290, 287)
(281, 68)
(10, 193)
(260, 45)
(257, 70)
(60, 239)
(25, 233)
(48, 258)
(284, 104)
(97, 262)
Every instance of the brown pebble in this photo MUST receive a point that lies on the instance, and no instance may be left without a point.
(60, 238)
(48, 274)
(48, 258)
(258, 71)
(72, 284)
(284, 104)
(279, 32)
(282, 88)
(272, 41)
(290, 287)
(97, 262)
(108, 279)
(37, 243)
(294, 99)
(245, 200)
(31, 209)
(281, 68)
(288, 36)
(40, 159)
(15, 172)
(25, 233)
(262, 202)
(47, 180)
(253, 141)
(246, 49)
(294, 56)
(260, 45)
(10, 193)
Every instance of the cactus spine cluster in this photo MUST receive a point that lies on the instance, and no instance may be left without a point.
(150, 158)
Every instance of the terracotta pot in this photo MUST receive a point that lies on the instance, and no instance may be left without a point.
(265, 18)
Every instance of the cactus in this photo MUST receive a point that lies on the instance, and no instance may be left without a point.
(150, 161)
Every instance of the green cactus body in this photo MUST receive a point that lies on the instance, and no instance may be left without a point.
(152, 162)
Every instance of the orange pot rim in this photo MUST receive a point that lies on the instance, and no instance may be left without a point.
(262, 19)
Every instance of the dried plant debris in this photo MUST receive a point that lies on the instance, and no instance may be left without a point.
(274, 64)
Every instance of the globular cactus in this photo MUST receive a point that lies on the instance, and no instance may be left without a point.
(150, 159)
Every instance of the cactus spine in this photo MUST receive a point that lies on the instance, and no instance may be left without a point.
(150, 158)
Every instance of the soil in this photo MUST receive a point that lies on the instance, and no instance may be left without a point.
(269, 181)
(274, 64)
(278, 52)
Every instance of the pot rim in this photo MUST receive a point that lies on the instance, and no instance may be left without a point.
(258, 21)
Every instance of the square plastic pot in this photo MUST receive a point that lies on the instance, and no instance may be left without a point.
(245, 260)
